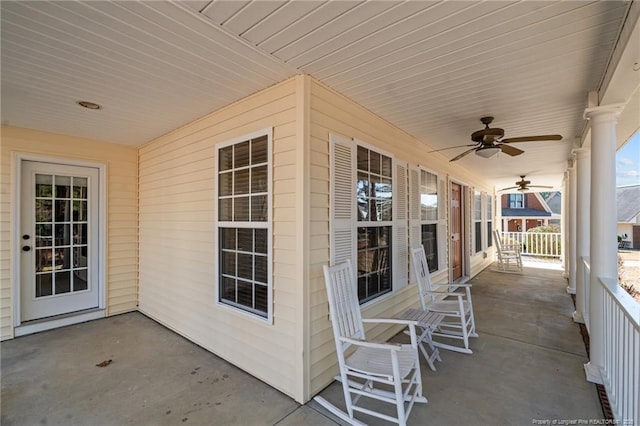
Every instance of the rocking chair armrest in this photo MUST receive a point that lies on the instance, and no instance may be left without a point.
(445, 293)
(390, 321)
(411, 324)
(449, 285)
(374, 345)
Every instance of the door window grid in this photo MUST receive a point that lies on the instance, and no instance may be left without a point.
(374, 200)
(429, 217)
(243, 207)
(61, 239)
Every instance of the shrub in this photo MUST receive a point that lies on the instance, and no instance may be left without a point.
(543, 246)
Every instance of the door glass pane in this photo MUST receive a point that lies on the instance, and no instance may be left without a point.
(63, 186)
(80, 280)
(63, 211)
(44, 260)
(63, 282)
(44, 185)
(44, 285)
(79, 211)
(61, 230)
(63, 234)
(80, 188)
(44, 237)
(44, 209)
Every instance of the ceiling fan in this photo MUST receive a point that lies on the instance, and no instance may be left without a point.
(523, 185)
(490, 140)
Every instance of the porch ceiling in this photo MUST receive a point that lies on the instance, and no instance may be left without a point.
(431, 68)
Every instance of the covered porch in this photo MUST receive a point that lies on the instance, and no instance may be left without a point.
(527, 366)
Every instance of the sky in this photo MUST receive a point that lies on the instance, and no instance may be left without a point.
(628, 162)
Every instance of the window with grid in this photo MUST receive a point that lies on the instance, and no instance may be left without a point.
(244, 204)
(477, 221)
(429, 217)
(516, 201)
(374, 189)
(489, 220)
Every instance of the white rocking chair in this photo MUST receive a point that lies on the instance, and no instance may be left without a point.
(387, 372)
(509, 259)
(457, 308)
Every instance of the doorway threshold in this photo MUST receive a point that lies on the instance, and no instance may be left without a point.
(43, 324)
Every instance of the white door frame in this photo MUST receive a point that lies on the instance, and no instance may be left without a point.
(18, 159)
(466, 228)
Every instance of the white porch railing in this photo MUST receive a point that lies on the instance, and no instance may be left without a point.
(621, 369)
(621, 329)
(586, 279)
(547, 244)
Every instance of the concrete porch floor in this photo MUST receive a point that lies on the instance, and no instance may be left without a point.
(527, 365)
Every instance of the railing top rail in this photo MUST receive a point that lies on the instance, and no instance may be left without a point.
(628, 305)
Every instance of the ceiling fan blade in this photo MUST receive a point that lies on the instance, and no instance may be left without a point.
(469, 151)
(540, 186)
(510, 150)
(532, 139)
(451, 147)
(509, 187)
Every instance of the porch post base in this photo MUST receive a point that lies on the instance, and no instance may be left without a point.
(571, 290)
(593, 373)
(578, 317)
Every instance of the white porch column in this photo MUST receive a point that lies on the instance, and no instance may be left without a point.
(523, 225)
(603, 251)
(568, 230)
(581, 200)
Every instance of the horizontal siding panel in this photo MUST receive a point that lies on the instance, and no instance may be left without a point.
(177, 238)
(240, 108)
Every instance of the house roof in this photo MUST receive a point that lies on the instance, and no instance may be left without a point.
(628, 202)
(554, 201)
(524, 212)
(430, 68)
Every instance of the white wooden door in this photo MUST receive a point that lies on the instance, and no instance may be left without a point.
(59, 230)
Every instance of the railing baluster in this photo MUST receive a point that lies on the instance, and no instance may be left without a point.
(621, 363)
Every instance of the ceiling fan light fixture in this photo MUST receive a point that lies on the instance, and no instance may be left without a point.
(487, 152)
(523, 189)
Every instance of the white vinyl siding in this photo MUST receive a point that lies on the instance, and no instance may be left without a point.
(178, 238)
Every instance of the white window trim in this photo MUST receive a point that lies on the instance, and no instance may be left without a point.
(488, 218)
(269, 226)
(483, 240)
(440, 221)
(353, 144)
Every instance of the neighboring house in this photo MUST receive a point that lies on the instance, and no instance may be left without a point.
(219, 229)
(525, 210)
(628, 205)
